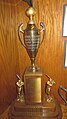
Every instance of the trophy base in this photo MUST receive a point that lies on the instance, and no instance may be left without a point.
(20, 110)
(33, 86)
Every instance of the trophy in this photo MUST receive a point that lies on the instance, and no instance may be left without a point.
(34, 99)
(30, 39)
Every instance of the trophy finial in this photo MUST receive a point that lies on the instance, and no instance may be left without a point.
(30, 12)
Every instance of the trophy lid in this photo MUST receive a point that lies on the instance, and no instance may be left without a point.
(30, 12)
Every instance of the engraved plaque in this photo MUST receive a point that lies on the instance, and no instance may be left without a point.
(33, 87)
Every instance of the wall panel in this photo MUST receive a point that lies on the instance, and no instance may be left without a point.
(9, 52)
(21, 18)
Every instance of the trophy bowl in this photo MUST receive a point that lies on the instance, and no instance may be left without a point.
(31, 38)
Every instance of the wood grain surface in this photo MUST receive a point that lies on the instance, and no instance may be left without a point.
(13, 2)
(13, 56)
(10, 50)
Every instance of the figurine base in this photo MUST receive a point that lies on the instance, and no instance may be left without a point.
(20, 110)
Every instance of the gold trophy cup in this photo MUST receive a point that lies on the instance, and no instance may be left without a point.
(31, 37)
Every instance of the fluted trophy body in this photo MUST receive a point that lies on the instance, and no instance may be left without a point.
(31, 38)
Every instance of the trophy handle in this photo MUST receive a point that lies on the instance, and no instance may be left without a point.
(59, 91)
(22, 31)
(42, 30)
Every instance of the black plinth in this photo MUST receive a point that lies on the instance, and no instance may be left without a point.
(20, 110)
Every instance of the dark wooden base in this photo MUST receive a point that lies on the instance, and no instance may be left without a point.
(20, 110)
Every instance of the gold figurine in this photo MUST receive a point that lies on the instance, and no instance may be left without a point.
(20, 84)
(49, 85)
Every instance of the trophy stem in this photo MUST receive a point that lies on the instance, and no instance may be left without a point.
(33, 67)
(33, 64)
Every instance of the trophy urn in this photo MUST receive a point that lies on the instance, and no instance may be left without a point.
(31, 38)
(31, 103)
